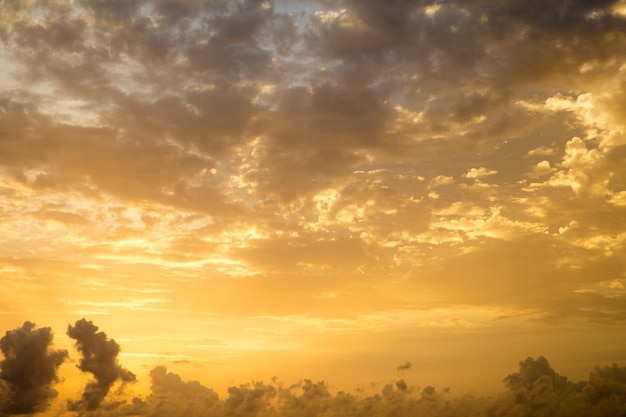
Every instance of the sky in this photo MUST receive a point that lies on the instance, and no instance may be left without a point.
(231, 191)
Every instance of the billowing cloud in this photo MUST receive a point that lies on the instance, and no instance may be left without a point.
(171, 396)
(535, 389)
(29, 369)
(530, 371)
(99, 358)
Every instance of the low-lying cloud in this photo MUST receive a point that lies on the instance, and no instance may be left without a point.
(29, 369)
(535, 389)
(99, 358)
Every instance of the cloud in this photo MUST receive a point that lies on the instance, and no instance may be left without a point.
(335, 156)
(254, 398)
(171, 396)
(478, 173)
(98, 357)
(405, 367)
(530, 371)
(28, 370)
(535, 389)
(401, 385)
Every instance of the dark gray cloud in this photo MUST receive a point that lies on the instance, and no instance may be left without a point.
(28, 370)
(99, 358)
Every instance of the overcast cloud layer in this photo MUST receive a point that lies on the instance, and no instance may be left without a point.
(344, 186)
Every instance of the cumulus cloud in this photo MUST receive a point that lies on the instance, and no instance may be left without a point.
(478, 173)
(99, 358)
(171, 396)
(530, 371)
(29, 369)
(536, 388)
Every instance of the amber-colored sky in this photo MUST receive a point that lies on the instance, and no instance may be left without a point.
(318, 189)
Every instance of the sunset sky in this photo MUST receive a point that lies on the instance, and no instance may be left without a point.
(317, 189)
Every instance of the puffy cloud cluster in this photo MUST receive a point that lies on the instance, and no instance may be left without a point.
(536, 389)
(182, 84)
(171, 396)
(28, 370)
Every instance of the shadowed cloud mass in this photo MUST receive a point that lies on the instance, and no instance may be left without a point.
(28, 370)
(99, 358)
(30, 367)
(536, 389)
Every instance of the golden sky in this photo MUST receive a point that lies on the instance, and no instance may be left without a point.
(325, 189)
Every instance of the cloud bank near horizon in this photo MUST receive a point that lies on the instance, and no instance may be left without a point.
(535, 389)
(30, 366)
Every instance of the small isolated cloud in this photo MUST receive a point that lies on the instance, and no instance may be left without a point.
(441, 180)
(28, 370)
(478, 173)
(99, 357)
(405, 367)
